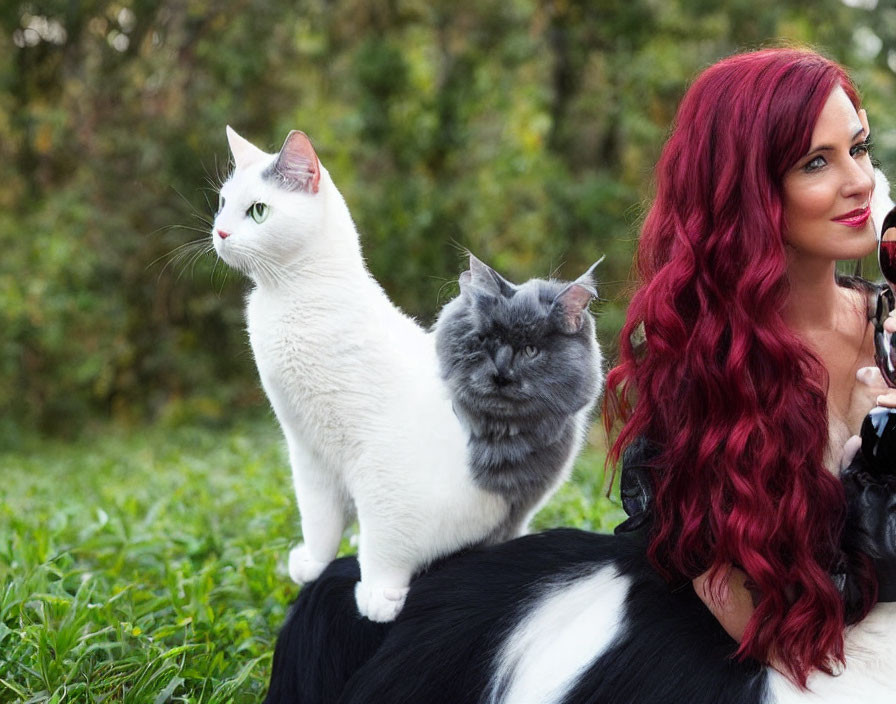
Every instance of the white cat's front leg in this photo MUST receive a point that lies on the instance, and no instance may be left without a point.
(322, 511)
(385, 579)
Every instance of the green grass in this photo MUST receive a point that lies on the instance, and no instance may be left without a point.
(150, 567)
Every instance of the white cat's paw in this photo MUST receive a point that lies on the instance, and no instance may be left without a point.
(380, 604)
(302, 567)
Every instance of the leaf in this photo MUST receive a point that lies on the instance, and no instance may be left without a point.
(166, 693)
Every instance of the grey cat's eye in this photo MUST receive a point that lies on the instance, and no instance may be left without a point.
(258, 211)
(531, 351)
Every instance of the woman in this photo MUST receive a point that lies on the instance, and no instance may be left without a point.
(743, 371)
(746, 378)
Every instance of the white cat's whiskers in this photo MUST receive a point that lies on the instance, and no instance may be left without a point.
(220, 289)
(272, 273)
(194, 211)
(256, 265)
(189, 252)
(222, 172)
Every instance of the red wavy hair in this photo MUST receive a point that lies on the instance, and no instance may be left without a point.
(734, 399)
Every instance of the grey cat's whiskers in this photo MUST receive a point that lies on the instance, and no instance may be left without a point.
(555, 270)
(445, 284)
(464, 251)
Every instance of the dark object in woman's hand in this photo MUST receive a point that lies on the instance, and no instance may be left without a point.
(870, 483)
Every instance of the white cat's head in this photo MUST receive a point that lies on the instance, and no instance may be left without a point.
(271, 209)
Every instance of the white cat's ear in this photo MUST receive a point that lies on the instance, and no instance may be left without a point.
(244, 152)
(572, 303)
(297, 165)
(483, 277)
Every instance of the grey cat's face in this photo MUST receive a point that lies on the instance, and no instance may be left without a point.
(519, 351)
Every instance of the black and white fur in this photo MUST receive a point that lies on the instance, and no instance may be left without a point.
(524, 371)
(564, 617)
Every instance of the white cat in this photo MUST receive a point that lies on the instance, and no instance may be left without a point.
(353, 381)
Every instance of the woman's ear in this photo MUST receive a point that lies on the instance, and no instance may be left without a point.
(863, 118)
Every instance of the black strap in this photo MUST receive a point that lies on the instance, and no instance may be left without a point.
(636, 490)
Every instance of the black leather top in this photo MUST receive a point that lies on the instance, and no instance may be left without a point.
(870, 526)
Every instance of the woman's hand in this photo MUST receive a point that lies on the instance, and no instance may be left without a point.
(730, 601)
(888, 398)
(890, 322)
(873, 387)
(733, 603)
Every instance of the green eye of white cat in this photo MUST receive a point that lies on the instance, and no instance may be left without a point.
(531, 351)
(258, 211)
(220, 203)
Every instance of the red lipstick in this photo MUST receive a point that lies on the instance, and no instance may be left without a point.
(854, 218)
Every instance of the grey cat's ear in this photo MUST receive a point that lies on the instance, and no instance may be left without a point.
(464, 281)
(297, 166)
(587, 279)
(572, 305)
(485, 279)
(244, 152)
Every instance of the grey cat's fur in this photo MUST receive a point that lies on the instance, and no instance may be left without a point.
(524, 370)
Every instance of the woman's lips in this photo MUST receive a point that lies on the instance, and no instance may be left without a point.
(855, 218)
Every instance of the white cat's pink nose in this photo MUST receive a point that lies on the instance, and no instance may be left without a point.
(223, 235)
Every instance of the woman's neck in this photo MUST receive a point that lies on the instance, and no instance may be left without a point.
(815, 298)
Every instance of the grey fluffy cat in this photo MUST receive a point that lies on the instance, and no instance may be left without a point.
(524, 372)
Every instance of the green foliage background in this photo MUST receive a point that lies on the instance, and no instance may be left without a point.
(525, 130)
(146, 563)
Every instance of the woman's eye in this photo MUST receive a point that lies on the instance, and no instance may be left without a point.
(816, 163)
(220, 203)
(258, 211)
(531, 351)
(861, 149)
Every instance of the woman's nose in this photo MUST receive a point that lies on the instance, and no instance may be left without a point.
(860, 181)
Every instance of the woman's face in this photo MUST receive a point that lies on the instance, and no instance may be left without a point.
(827, 193)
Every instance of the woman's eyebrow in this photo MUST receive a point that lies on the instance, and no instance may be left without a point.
(827, 147)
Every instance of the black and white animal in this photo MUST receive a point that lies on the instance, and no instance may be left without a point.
(569, 617)
(563, 617)
(354, 382)
(524, 371)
